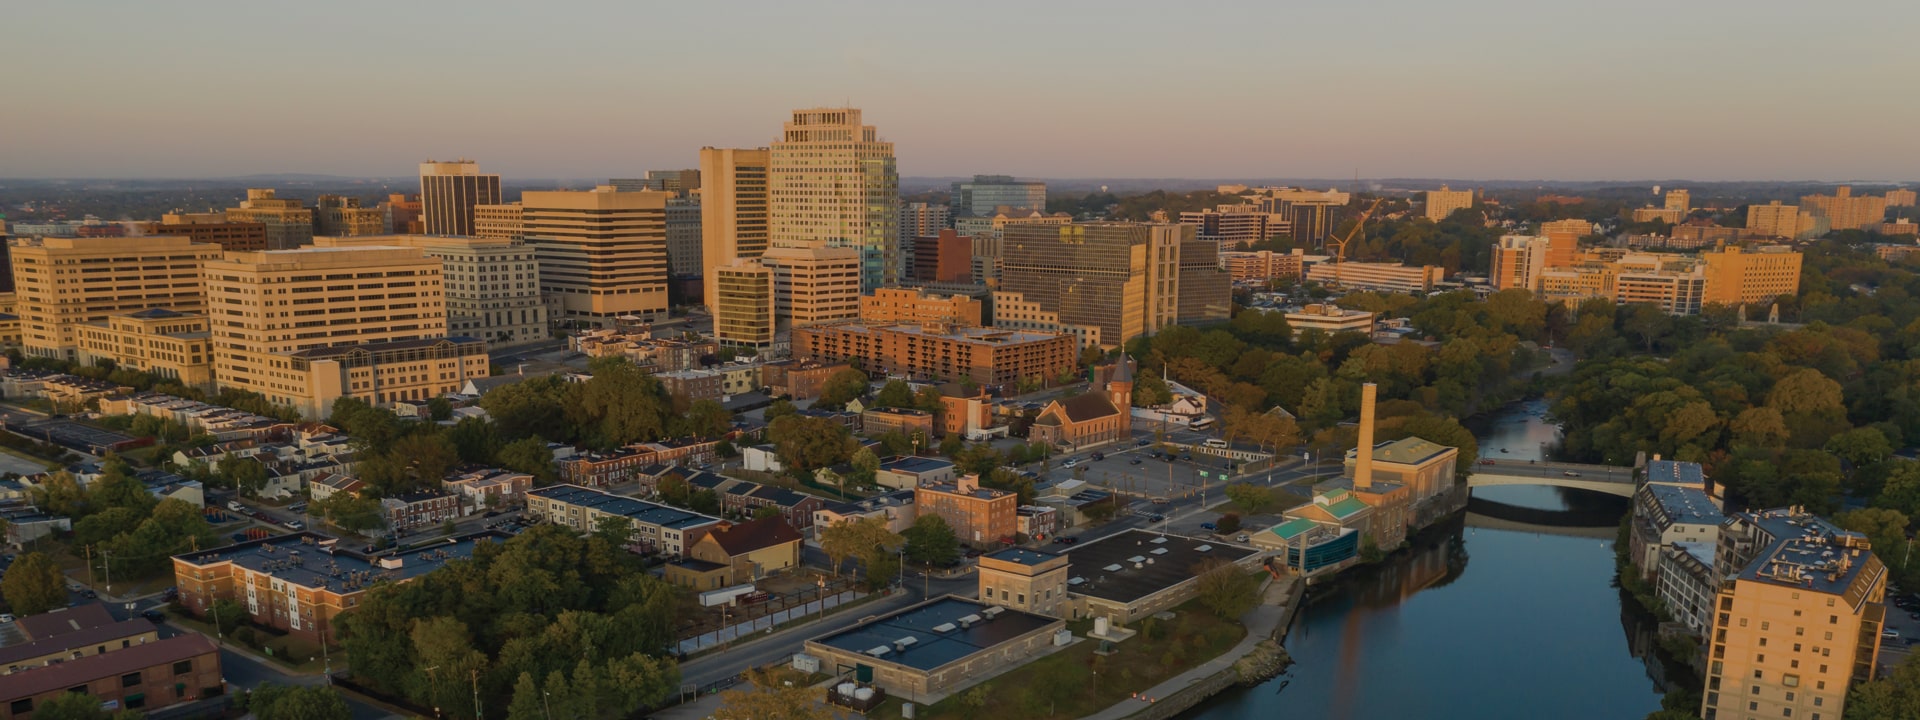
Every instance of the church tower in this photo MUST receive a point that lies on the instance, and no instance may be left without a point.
(1120, 391)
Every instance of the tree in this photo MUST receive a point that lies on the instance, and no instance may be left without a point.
(895, 394)
(808, 443)
(1250, 498)
(930, 541)
(866, 466)
(61, 494)
(1860, 446)
(1895, 696)
(866, 538)
(526, 703)
(429, 455)
(766, 511)
(842, 387)
(475, 440)
(439, 409)
(617, 530)
(243, 473)
(79, 706)
(779, 409)
(351, 511)
(1228, 524)
(1226, 589)
(706, 418)
(297, 702)
(227, 615)
(766, 698)
(529, 455)
(33, 584)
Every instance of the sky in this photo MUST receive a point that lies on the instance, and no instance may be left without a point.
(1470, 89)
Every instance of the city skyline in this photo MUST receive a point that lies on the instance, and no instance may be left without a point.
(1640, 91)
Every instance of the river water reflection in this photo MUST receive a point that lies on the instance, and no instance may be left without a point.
(1474, 621)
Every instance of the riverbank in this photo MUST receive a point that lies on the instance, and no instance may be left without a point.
(1257, 658)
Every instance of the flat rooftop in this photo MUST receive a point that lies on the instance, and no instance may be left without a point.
(1023, 556)
(915, 464)
(1105, 569)
(1807, 552)
(639, 510)
(312, 560)
(936, 632)
(1686, 504)
(1672, 471)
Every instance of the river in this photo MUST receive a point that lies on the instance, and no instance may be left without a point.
(1474, 622)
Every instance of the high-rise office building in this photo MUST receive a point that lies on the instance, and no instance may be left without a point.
(1517, 262)
(367, 322)
(1310, 214)
(985, 194)
(448, 193)
(402, 214)
(338, 216)
(1797, 620)
(815, 285)
(1120, 277)
(743, 306)
(831, 183)
(1845, 210)
(62, 283)
(1206, 291)
(603, 253)
(684, 237)
(733, 208)
(1230, 226)
(918, 220)
(289, 223)
(1441, 203)
(492, 285)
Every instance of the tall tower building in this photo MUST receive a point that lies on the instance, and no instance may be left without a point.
(602, 253)
(448, 192)
(65, 282)
(743, 310)
(985, 194)
(733, 208)
(832, 184)
(1441, 203)
(1123, 278)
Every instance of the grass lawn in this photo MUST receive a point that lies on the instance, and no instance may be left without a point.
(1279, 499)
(1075, 682)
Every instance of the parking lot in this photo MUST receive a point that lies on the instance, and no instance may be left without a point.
(1150, 476)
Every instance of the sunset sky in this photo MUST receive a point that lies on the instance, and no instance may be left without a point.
(1482, 89)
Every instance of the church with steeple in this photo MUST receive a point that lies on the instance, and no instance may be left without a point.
(1091, 418)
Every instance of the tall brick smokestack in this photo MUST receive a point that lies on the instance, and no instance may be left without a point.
(1363, 460)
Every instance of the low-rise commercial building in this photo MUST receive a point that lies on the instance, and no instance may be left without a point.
(912, 471)
(144, 678)
(938, 645)
(1329, 318)
(1129, 576)
(159, 342)
(656, 528)
(978, 516)
(1262, 265)
(896, 509)
(1378, 277)
(1024, 579)
(906, 421)
(915, 306)
(750, 550)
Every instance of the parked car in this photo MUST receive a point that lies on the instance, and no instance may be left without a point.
(1156, 517)
(294, 525)
(1143, 443)
(1890, 634)
(1161, 501)
(1209, 526)
(1133, 461)
(1486, 462)
(1242, 537)
(154, 615)
(298, 507)
(1098, 456)
(6, 617)
(493, 513)
(1070, 462)
(1069, 540)
(235, 506)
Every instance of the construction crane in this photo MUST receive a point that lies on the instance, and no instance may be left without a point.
(1340, 244)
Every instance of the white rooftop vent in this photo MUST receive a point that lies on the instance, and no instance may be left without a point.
(904, 643)
(1159, 541)
(1076, 580)
(1159, 551)
(969, 620)
(1203, 548)
(879, 651)
(993, 612)
(1112, 568)
(1137, 559)
(944, 628)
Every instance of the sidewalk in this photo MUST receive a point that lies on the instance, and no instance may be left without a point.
(1260, 623)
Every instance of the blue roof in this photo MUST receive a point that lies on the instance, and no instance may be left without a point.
(1674, 471)
(1024, 556)
(936, 634)
(639, 510)
(1686, 504)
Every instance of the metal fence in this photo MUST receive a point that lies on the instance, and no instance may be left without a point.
(738, 630)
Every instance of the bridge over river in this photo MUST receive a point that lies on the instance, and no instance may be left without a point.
(1599, 478)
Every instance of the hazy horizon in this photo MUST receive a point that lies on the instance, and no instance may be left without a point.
(1482, 90)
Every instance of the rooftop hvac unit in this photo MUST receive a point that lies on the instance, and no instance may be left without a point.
(1112, 568)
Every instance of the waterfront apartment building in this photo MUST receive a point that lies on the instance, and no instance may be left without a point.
(987, 356)
(337, 216)
(162, 343)
(1797, 620)
(1378, 277)
(305, 327)
(733, 208)
(492, 286)
(1120, 277)
(289, 223)
(1263, 265)
(831, 183)
(743, 304)
(1441, 203)
(62, 283)
(448, 193)
(212, 228)
(985, 194)
(978, 516)
(916, 306)
(602, 253)
(1845, 210)
(815, 285)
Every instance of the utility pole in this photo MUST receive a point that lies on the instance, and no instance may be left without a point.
(89, 565)
(476, 694)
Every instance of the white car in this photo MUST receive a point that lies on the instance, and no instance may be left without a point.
(1070, 462)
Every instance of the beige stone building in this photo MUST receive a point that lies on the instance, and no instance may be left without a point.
(1441, 203)
(1034, 581)
(492, 285)
(289, 223)
(63, 283)
(1013, 311)
(733, 208)
(815, 285)
(603, 253)
(274, 304)
(502, 222)
(831, 183)
(1756, 276)
(338, 216)
(156, 341)
(1786, 221)
(743, 304)
(1382, 277)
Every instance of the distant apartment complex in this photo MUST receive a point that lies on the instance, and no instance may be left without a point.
(1845, 210)
(1263, 265)
(1680, 284)
(1443, 202)
(289, 224)
(1784, 221)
